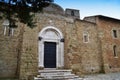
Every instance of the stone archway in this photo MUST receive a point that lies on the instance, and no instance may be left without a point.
(52, 36)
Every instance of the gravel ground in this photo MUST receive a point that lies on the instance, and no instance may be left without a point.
(110, 76)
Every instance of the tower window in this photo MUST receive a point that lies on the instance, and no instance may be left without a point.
(72, 13)
(115, 33)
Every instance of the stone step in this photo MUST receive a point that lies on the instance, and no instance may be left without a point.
(54, 71)
(36, 78)
(58, 76)
(53, 74)
(65, 77)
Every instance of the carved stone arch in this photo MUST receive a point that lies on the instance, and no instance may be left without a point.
(51, 34)
(52, 29)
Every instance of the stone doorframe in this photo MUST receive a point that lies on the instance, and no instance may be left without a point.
(51, 34)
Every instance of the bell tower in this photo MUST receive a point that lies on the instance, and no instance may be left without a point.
(72, 13)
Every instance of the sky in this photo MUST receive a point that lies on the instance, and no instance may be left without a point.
(110, 8)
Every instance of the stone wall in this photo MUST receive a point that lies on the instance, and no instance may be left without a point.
(91, 51)
(29, 55)
(83, 57)
(9, 52)
(106, 27)
(77, 54)
(19, 53)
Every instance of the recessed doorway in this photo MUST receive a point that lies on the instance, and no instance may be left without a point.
(50, 55)
(51, 48)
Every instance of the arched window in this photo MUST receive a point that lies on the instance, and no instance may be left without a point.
(7, 29)
(115, 51)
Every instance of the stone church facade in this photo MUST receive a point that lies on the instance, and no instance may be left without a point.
(61, 40)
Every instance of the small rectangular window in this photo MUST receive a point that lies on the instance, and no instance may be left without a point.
(115, 33)
(115, 51)
(85, 38)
